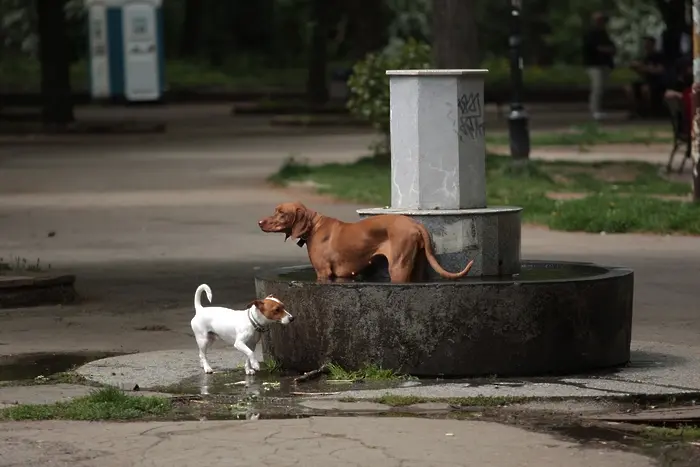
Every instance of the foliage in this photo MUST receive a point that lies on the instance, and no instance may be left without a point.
(369, 84)
(411, 19)
(265, 44)
(553, 30)
(633, 20)
(18, 24)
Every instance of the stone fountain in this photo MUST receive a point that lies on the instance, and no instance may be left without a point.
(508, 318)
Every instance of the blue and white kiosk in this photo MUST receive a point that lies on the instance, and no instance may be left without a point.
(126, 56)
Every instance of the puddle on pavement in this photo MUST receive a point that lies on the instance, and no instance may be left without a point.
(236, 383)
(595, 434)
(271, 385)
(29, 366)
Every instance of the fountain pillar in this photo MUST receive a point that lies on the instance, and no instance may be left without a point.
(438, 170)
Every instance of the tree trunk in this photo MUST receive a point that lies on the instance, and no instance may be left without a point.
(673, 15)
(191, 33)
(57, 99)
(217, 24)
(317, 82)
(455, 34)
(368, 24)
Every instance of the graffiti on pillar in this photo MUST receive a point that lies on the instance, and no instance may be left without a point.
(471, 116)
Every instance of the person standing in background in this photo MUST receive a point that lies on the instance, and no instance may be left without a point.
(598, 58)
(647, 90)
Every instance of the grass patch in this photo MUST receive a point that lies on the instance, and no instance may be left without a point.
(589, 134)
(619, 196)
(684, 433)
(477, 401)
(369, 372)
(272, 365)
(364, 181)
(102, 404)
(18, 264)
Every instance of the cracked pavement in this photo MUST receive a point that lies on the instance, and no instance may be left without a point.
(311, 442)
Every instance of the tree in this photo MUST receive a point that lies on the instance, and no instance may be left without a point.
(455, 34)
(316, 83)
(217, 15)
(367, 25)
(191, 34)
(54, 55)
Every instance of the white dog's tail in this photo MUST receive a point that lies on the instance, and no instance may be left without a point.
(198, 297)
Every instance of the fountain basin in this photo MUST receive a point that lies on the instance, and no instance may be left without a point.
(552, 318)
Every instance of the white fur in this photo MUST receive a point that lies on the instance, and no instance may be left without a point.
(232, 326)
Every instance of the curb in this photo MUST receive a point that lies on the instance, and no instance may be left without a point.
(29, 291)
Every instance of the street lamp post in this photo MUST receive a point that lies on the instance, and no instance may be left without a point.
(517, 120)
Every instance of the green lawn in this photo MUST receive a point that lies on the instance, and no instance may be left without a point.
(590, 135)
(620, 197)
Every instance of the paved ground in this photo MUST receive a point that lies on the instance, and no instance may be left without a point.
(143, 224)
(159, 218)
(314, 442)
(656, 369)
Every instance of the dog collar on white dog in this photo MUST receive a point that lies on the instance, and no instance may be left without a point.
(257, 326)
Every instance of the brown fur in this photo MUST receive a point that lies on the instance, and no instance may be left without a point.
(340, 250)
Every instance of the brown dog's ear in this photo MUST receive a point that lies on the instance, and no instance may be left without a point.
(302, 222)
(258, 304)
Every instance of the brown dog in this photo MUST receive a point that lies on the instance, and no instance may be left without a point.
(341, 250)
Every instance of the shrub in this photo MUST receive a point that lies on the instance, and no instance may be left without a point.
(369, 84)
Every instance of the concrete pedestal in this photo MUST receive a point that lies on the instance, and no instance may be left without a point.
(438, 171)
(437, 139)
(489, 236)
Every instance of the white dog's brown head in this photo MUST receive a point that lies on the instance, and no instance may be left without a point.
(273, 310)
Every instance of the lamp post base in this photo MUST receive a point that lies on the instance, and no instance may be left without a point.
(519, 134)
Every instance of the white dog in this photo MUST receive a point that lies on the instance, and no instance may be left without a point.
(242, 328)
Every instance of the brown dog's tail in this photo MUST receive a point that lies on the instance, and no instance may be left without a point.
(433, 260)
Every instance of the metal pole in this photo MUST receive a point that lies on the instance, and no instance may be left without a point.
(517, 120)
(695, 128)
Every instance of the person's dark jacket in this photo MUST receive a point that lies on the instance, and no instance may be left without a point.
(678, 78)
(592, 57)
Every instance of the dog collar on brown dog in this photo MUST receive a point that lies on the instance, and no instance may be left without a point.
(301, 242)
(257, 326)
